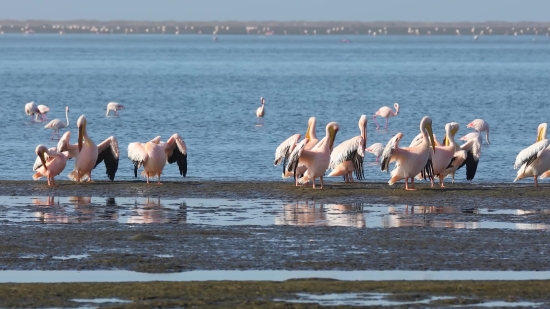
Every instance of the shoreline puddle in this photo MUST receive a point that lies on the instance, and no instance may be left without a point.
(58, 276)
(230, 212)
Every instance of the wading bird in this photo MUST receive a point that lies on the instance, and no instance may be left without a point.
(32, 110)
(51, 166)
(535, 159)
(386, 112)
(89, 154)
(57, 124)
(260, 111)
(43, 109)
(348, 157)
(115, 107)
(479, 125)
(410, 160)
(154, 154)
(286, 149)
(376, 149)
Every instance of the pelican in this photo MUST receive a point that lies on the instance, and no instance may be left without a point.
(441, 158)
(417, 140)
(410, 160)
(535, 159)
(386, 112)
(480, 125)
(466, 154)
(32, 110)
(114, 106)
(376, 149)
(43, 109)
(51, 167)
(348, 157)
(288, 147)
(260, 112)
(154, 154)
(316, 160)
(57, 124)
(89, 154)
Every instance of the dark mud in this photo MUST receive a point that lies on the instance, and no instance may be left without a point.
(230, 294)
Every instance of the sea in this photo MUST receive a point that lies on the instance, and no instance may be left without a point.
(208, 92)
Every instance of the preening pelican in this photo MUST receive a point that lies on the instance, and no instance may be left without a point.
(442, 156)
(90, 155)
(32, 110)
(467, 154)
(348, 157)
(312, 140)
(480, 125)
(386, 112)
(376, 149)
(114, 106)
(57, 124)
(316, 160)
(285, 149)
(535, 159)
(417, 140)
(50, 167)
(43, 109)
(154, 154)
(260, 112)
(410, 160)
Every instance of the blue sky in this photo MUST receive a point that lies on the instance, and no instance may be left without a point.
(207, 10)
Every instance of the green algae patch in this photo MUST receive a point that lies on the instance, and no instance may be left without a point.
(230, 294)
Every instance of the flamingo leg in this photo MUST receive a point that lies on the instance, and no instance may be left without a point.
(377, 126)
(377, 158)
(350, 177)
(52, 135)
(387, 124)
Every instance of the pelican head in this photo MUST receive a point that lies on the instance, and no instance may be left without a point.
(450, 128)
(332, 129)
(362, 122)
(541, 131)
(310, 126)
(40, 151)
(396, 106)
(426, 124)
(81, 124)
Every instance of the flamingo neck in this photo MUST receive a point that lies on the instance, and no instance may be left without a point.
(67, 117)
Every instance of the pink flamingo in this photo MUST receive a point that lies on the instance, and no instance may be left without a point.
(260, 111)
(114, 106)
(386, 112)
(376, 149)
(480, 125)
(57, 124)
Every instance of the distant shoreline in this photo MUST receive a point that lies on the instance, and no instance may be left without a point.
(274, 27)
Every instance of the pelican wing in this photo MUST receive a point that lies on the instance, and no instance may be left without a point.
(295, 156)
(64, 145)
(473, 153)
(137, 154)
(531, 153)
(284, 150)
(38, 163)
(176, 151)
(107, 152)
(350, 150)
(389, 151)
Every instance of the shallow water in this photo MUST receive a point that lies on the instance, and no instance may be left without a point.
(208, 92)
(257, 212)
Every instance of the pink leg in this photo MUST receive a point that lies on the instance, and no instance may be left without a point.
(377, 126)
(377, 158)
(387, 124)
(52, 135)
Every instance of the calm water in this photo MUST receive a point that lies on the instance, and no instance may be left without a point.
(208, 93)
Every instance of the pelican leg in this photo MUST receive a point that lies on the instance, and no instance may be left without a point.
(411, 188)
(441, 181)
(536, 177)
(159, 179)
(321, 179)
(453, 181)
(313, 182)
(90, 177)
(147, 177)
(350, 177)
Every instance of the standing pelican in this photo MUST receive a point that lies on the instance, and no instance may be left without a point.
(535, 159)
(57, 124)
(386, 112)
(316, 160)
(90, 155)
(410, 160)
(348, 157)
(376, 149)
(43, 109)
(50, 167)
(441, 158)
(114, 106)
(260, 112)
(466, 154)
(32, 110)
(288, 147)
(154, 154)
(480, 125)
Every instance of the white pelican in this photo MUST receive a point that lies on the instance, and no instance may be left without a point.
(57, 124)
(154, 154)
(89, 154)
(466, 154)
(114, 106)
(535, 159)
(63, 146)
(480, 125)
(348, 157)
(287, 149)
(376, 149)
(410, 160)
(441, 158)
(50, 167)
(32, 110)
(43, 109)
(386, 112)
(316, 160)
(417, 140)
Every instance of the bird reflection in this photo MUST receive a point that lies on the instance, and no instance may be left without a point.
(49, 201)
(306, 214)
(416, 216)
(80, 200)
(150, 213)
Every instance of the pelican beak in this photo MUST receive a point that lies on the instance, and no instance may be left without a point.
(446, 141)
(308, 130)
(431, 134)
(332, 136)
(43, 159)
(539, 136)
(80, 136)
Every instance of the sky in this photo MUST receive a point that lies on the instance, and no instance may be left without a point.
(279, 10)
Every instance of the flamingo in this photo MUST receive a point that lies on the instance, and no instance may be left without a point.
(260, 111)
(43, 109)
(51, 167)
(535, 159)
(480, 125)
(32, 110)
(57, 124)
(154, 154)
(386, 112)
(315, 160)
(348, 157)
(89, 154)
(114, 106)
(410, 160)
(376, 149)
(287, 148)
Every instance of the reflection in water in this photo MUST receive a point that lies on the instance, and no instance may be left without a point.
(412, 217)
(306, 214)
